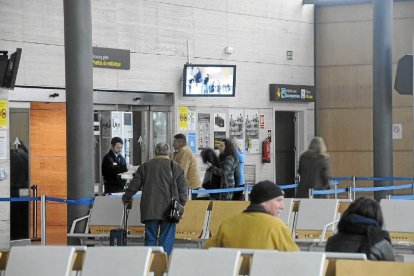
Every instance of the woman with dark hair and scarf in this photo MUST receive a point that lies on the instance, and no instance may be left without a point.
(360, 231)
(211, 179)
(228, 164)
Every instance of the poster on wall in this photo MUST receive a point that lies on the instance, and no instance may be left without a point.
(4, 120)
(3, 143)
(116, 123)
(203, 130)
(251, 124)
(183, 112)
(191, 139)
(236, 126)
(218, 136)
(219, 121)
(192, 115)
(262, 121)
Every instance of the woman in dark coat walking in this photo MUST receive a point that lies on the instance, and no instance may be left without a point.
(314, 168)
(360, 231)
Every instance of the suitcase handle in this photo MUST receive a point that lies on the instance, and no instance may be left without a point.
(125, 218)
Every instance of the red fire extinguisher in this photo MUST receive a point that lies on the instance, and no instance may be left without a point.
(266, 151)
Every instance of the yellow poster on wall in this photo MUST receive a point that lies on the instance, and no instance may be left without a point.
(183, 117)
(4, 118)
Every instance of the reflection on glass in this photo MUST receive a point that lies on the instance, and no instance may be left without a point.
(160, 127)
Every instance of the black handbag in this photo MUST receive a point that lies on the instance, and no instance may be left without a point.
(176, 209)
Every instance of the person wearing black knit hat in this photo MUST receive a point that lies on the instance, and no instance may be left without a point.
(257, 227)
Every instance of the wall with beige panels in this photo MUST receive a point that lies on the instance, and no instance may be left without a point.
(344, 79)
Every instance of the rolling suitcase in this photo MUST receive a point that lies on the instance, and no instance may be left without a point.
(119, 236)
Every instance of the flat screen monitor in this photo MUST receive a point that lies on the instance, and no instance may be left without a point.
(12, 68)
(208, 80)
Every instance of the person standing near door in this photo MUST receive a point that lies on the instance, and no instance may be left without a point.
(183, 156)
(314, 168)
(113, 164)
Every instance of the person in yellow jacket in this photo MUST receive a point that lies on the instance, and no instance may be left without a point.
(184, 157)
(257, 227)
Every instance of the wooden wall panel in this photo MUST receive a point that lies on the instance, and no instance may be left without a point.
(345, 89)
(346, 129)
(48, 164)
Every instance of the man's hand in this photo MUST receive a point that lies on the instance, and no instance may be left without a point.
(127, 200)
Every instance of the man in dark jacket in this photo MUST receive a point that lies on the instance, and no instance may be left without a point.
(160, 180)
(113, 164)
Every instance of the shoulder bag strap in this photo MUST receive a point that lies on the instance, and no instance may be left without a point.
(173, 180)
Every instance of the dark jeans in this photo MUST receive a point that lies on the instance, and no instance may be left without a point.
(167, 234)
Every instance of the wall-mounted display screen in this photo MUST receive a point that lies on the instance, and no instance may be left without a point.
(208, 80)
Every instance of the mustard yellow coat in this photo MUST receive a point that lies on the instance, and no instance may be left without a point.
(253, 230)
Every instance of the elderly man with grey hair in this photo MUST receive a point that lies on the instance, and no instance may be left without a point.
(160, 179)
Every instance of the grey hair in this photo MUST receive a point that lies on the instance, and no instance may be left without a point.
(318, 145)
(162, 149)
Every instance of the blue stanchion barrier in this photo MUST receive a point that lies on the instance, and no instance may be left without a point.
(329, 192)
(238, 189)
(342, 178)
(82, 201)
(384, 178)
(403, 197)
(19, 199)
(120, 195)
(335, 182)
(385, 188)
(288, 186)
(216, 191)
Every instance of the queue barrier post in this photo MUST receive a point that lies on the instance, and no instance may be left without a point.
(353, 188)
(43, 219)
(349, 192)
(246, 192)
(190, 194)
(34, 213)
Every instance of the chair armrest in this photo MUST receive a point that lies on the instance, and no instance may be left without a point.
(325, 228)
(72, 228)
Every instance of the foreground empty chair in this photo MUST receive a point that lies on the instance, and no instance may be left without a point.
(313, 216)
(222, 210)
(105, 215)
(397, 222)
(287, 263)
(40, 261)
(377, 268)
(109, 261)
(203, 262)
(193, 224)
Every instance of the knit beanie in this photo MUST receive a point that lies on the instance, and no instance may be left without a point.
(265, 190)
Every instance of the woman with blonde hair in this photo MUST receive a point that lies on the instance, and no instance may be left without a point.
(314, 168)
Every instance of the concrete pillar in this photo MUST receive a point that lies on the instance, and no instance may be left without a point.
(382, 92)
(79, 105)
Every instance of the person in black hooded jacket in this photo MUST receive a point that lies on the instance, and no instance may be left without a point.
(360, 231)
